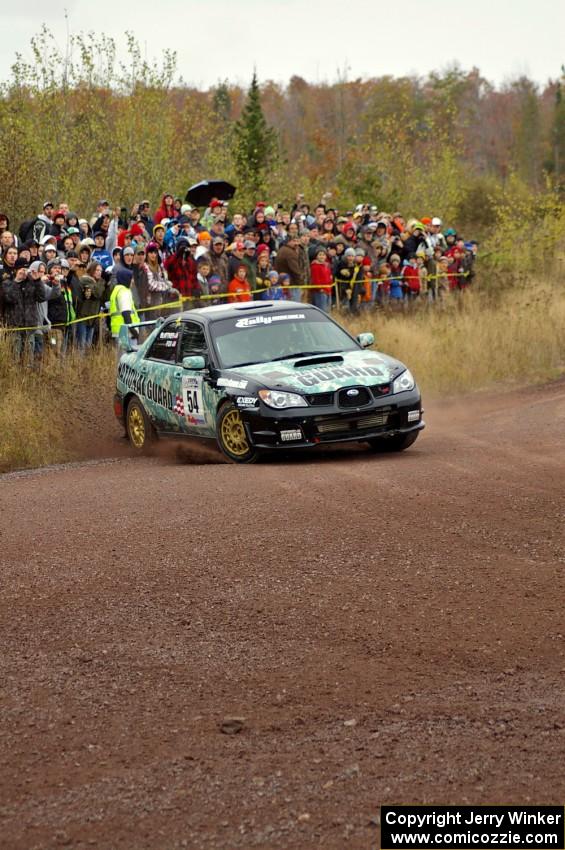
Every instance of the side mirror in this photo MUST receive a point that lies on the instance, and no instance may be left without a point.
(366, 339)
(196, 362)
(124, 339)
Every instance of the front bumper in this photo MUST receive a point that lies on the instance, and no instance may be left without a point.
(266, 428)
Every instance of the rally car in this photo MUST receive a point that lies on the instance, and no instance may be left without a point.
(263, 376)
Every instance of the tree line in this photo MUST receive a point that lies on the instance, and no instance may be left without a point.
(78, 123)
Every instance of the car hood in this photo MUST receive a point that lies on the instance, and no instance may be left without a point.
(324, 373)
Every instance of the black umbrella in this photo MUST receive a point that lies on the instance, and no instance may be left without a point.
(202, 193)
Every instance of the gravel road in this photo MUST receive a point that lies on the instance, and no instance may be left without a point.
(209, 656)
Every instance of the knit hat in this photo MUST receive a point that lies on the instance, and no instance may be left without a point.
(124, 276)
(203, 235)
(262, 249)
(35, 266)
(349, 252)
(128, 250)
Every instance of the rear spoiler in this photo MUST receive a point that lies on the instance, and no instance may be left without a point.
(124, 339)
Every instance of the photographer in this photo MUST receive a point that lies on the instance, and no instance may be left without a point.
(22, 294)
(60, 310)
(52, 289)
(92, 288)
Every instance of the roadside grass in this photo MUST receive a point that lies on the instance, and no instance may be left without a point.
(45, 413)
(474, 343)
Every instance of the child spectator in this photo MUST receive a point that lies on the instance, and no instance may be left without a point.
(204, 270)
(411, 277)
(262, 281)
(274, 291)
(215, 287)
(321, 277)
(238, 287)
(422, 272)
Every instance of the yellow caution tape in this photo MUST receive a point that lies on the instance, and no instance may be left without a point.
(185, 298)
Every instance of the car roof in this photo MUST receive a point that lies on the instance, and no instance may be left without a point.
(227, 311)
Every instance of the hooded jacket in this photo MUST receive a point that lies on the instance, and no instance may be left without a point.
(182, 271)
(21, 301)
(89, 306)
(42, 227)
(219, 265)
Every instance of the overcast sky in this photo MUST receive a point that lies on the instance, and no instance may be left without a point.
(219, 39)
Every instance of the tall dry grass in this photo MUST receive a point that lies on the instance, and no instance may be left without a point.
(473, 343)
(46, 413)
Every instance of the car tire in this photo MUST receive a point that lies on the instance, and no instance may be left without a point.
(231, 436)
(139, 430)
(398, 443)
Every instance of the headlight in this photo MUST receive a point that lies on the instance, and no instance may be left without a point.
(404, 382)
(272, 398)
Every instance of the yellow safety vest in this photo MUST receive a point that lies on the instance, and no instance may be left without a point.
(116, 318)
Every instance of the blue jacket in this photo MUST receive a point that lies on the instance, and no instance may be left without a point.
(100, 255)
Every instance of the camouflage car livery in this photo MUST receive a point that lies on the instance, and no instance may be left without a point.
(183, 375)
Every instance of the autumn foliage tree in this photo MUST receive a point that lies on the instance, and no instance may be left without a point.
(88, 122)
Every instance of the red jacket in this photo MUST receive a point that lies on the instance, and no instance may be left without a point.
(456, 280)
(240, 289)
(321, 275)
(411, 276)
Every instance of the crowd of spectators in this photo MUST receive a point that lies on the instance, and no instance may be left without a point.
(58, 271)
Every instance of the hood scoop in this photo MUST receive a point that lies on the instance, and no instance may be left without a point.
(318, 360)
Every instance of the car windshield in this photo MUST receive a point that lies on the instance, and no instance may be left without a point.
(245, 340)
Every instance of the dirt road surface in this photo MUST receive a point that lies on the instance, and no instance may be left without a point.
(383, 629)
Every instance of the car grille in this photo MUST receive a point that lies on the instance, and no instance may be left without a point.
(335, 425)
(363, 397)
(316, 399)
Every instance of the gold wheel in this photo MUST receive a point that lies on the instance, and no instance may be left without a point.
(136, 427)
(233, 435)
